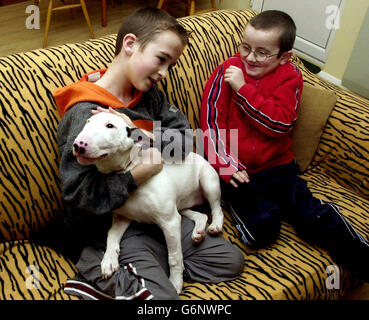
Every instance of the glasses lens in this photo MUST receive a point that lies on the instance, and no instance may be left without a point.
(244, 49)
(260, 56)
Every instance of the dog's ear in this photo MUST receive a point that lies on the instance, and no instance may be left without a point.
(129, 131)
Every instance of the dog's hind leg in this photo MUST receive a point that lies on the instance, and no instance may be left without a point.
(110, 261)
(210, 185)
(200, 220)
(172, 232)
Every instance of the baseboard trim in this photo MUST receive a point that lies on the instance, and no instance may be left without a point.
(328, 77)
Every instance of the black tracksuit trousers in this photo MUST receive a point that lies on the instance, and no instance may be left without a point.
(277, 194)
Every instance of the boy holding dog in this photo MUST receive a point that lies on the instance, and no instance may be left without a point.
(148, 44)
(258, 91)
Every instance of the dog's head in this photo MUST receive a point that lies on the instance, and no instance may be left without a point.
(104, 137)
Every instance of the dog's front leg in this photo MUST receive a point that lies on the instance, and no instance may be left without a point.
(172, 233)
(210, 185)
(110, 261)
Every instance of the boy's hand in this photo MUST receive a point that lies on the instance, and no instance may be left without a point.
(239, 177)
(150, 164)
(234, 77)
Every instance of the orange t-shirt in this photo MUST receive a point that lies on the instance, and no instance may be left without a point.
(86, 90)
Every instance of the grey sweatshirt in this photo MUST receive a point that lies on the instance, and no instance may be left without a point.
(90, 196)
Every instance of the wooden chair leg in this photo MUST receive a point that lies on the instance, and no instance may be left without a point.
(84, 9)
(160, 4)
(48, 19)
(192, 7)
(103, 13)
(213, 5)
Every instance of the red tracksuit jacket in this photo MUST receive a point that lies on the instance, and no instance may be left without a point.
(263, 112)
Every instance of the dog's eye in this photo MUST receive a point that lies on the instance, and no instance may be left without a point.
(110, 126)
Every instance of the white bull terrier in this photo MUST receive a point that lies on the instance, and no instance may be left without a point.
(105, 142)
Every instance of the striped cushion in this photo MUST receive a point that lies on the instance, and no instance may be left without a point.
(30, 185)
(32, 272)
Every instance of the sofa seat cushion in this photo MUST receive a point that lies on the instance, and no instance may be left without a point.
(290, 268)
(354, 207)
(32, 272)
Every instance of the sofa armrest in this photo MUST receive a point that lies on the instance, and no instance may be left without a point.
(343, 151)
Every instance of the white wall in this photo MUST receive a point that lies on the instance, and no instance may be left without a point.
(357, 71)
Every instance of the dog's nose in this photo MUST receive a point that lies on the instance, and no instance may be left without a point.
(81, 148)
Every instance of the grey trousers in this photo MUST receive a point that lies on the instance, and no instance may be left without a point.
(144, 267)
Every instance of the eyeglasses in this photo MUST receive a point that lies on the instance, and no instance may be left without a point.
(259, 54)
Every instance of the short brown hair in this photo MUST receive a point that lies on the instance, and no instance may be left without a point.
(145, 23)
(275, 19)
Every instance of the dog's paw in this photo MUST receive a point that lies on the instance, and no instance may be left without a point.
(216, 226)
(198, 233)
(109, 264)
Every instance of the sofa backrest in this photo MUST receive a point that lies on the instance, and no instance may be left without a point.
(29, 174)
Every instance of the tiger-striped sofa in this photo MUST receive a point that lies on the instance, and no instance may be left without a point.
(30, 194)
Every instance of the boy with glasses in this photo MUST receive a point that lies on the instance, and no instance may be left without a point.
(258, 92)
